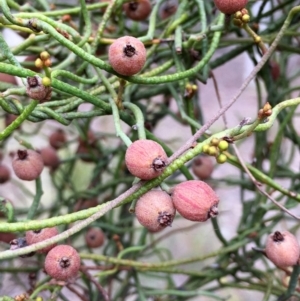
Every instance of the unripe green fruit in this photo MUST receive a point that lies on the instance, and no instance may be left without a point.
(62, 262)
(212, 151)
(155, 210)
(28, 164)
(127, 55)
(195, 200)
(145, 159)
(282, 248)
(222, 158)
(223, 145)
(35, 236)
(230, 7)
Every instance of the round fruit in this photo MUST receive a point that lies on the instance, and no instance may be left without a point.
(223, 145)
(4, 174)
(28, 164)
(127, 55)
(94, 237)
(195, 200)
(202, 167)
(155, 210)
(230, 7)
(35, 236)
(7, 237)
(50, 157)
(168, 10)
(87, 148)
(283, 249)
(62, 262)
(57, 139)
(145, 159)
(83, 204)
(137, 10)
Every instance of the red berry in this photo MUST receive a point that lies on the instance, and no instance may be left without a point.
(57, 139)
(94, 237)
(4, 174)
(7, 237)
(202, 167)
(62, 262)
(83, 204)
(155, 210)
(195, 200)
(28, 164)
(230, 7)
(87, 148)
(35, 236)
(50, 157)
(137, 10)
(145, 159)
(127, 55)
(283, 249)
(168, 10)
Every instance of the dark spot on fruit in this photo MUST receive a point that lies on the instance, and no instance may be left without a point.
(129, 50)
(22, 154)
(165, 219)
(64, 262)
(133, 6)
(277, 237)
(32, 82)
(158, 164)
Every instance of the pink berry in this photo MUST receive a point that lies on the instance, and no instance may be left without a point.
(202, 167)
(282, 249)
(28, 164)
(94, 237)
(35, 236)
(62, 262)
(195, 200)
(4, 174)
(137, 10)
(230, 7)
(127, 55)
(145, 159)
(57, 139)
(50, 157)
(155, 210)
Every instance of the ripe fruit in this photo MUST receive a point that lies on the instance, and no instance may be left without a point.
(229, 7)
(50, 157)
(137, 10)
(4, 174)
(7, 237)
(87, 148)
(282, 248)
(94, 237)
(62, 262)
(36, 90)
(202, 167)
(57, 139)
(127, 55)
(168, 10)
(195, 200)
(35, 236)
(20, 243)
(83, 204)
(28, 164)
(145, 159)
(155, 210)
